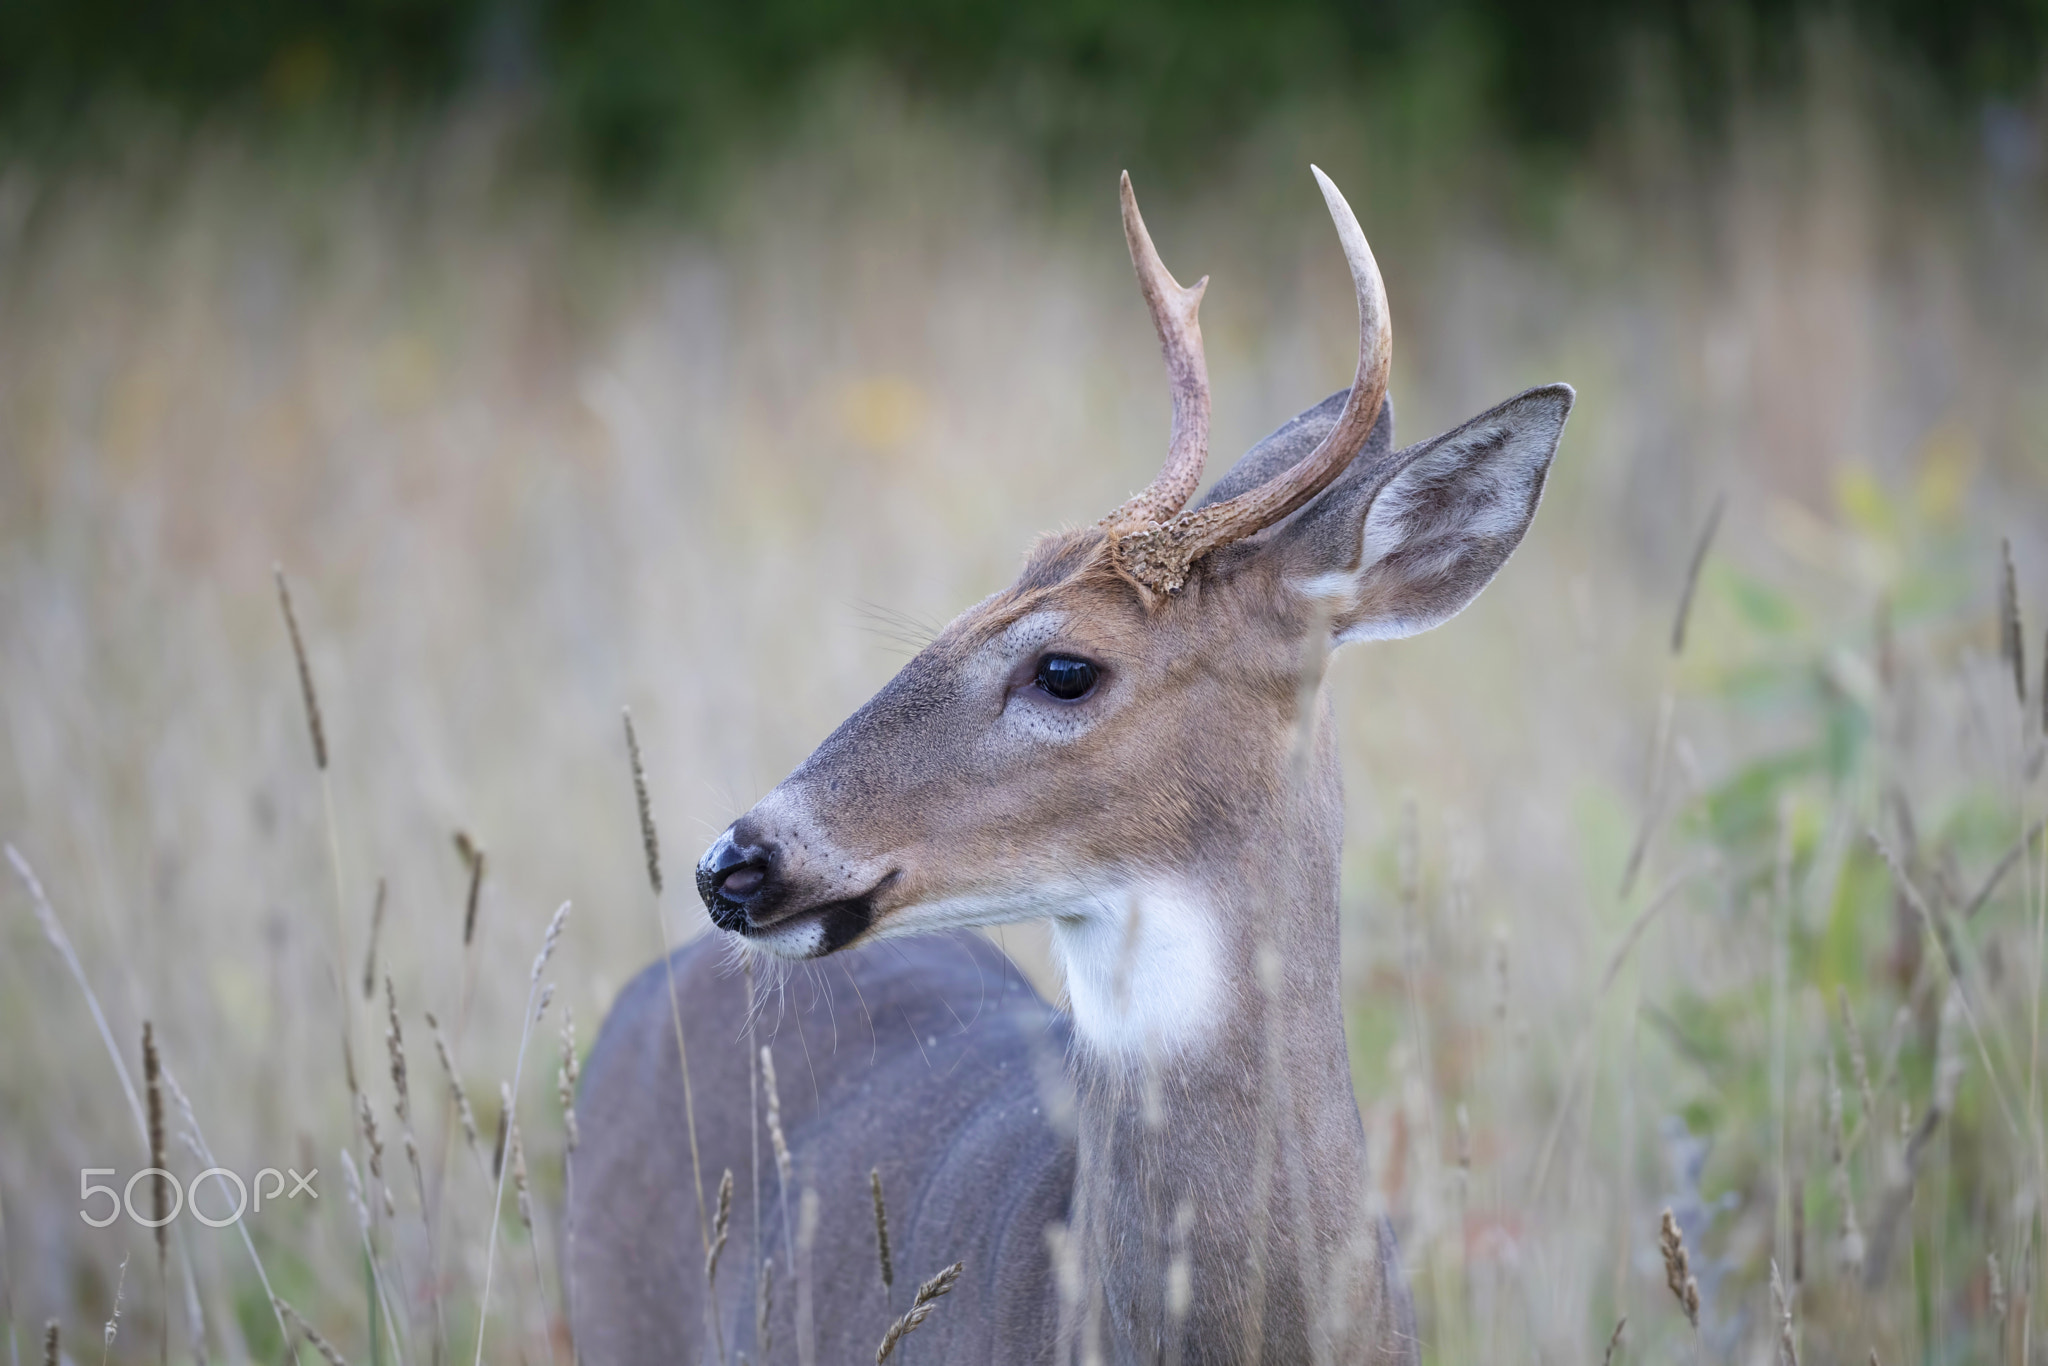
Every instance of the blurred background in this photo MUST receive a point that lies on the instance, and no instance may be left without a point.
(701, 359)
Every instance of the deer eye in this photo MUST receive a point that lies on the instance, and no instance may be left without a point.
(1066, 677)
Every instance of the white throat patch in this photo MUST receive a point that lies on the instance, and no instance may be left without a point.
(1141, 968)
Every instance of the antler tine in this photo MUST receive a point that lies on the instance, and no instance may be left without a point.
(1159, 557)
(1187, 371)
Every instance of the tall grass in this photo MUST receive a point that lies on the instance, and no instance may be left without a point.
(528, 463)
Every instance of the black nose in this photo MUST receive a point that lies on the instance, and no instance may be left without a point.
(732, 874)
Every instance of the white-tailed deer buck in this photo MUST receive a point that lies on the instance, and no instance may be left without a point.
(1131, 742)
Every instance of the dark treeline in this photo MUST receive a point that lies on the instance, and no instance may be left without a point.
(629, 85)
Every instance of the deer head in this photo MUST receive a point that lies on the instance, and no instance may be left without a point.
(1134, 721)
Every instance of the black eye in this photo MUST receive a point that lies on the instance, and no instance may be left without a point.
(1066, 677)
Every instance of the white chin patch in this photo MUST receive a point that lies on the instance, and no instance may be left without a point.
(1142, 970)
(803, 937)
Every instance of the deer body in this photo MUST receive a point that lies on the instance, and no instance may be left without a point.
(1132, 742)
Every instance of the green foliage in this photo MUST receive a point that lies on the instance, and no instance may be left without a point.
(637, 87)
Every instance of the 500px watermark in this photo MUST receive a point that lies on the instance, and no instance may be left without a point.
(227, 1182)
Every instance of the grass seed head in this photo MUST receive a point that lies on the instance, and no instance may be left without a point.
(1678, 1268)
(314, 725)
(650, 839)
(1614, 1341)
(456, 1093)
(519, 1185)
(720, 1228)
(566, 1077)
(783, 1165)
(921, 1307)
(326, 1349)
(394, 1042)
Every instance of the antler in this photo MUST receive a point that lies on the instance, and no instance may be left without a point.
(1187, 370)
(1159, 556)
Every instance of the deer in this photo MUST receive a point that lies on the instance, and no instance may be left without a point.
(1133, 743)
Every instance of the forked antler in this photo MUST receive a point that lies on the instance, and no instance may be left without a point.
(1159, 555)
(1187, 370)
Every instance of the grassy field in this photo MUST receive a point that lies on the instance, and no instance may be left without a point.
(1746, 930)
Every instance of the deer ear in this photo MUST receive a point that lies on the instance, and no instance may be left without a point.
(1402, 543)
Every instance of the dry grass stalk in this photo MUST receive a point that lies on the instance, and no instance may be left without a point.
(651, 846)
(504, 1129)
(319, 1344)
(2020, 845)
(921, 1306)
(1798, 1234)
(882, 1234)
(1678, 1268)
(456, 1093)
(720, 1227)
(374, 1142)
(784, 1168)
(1614, 1341)
(650, 840)
(522, 1195)
(549, 941)
(159, 1185)
(1849, 1242)
(52, 1343)
(314, 725)
(401, 1085)
(764, 1306)
(53, 930)
(377, 1278)
(1859, 1064)
(1788, 1351)
(196, 1141)
(1898, 1198)
(565, 1082)
(113, 1328)
(2012, 645)
(565, 1091)
(472, 856)
(377, 909)
(806, 1241)
(160, 1190)
(1692, 573)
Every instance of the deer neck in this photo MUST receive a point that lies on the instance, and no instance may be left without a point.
(1217, 1123)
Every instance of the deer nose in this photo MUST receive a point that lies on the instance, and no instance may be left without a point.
(731, 874)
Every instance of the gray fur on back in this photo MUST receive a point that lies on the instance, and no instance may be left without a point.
(920, 1057)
